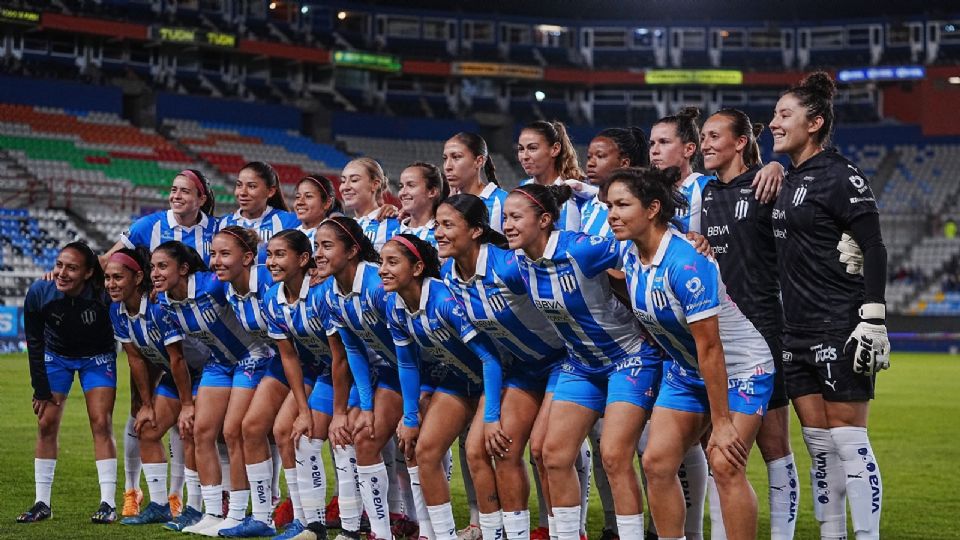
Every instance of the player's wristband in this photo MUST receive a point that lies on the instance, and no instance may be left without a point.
(873, 313)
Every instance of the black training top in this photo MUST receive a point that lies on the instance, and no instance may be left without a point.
(740, 233)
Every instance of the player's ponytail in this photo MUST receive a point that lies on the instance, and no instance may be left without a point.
(815, 92)
(183, 254)
(475, 213)
(565, 163)
(417, 250)
(91, 261)
(741, 126)
(478, 147)
(650, 184)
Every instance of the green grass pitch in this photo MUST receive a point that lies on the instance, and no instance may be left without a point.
(914, 429)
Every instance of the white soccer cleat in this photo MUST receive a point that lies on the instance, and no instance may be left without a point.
(207, 522)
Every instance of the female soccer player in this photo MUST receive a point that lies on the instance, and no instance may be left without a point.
(67, 324)
(485, 278)
(464, 156)
(608, 371)
(362, 184)
(679, 296)
(357, 302)
(422, 189)
(315, 200)
(425, 316)
(611, 149)
(261, 204)
(154, 344)
(834, 338)
(546, 153)
(198, 302)
(739, 231)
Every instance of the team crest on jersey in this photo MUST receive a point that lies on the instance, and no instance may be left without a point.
(694, 285)
(369, 317)
(799, 195)
(154, 335)
(659, 298)
(496, 301)
(209, 315)
(568, 283)
(741, 209)
(441, 333)
(314, 323)
(88, 316)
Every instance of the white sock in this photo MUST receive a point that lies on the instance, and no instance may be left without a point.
(584, 471)
(276, 466)
(516, 525)
(260, 476)
(402, 479)
(693, 480)
(311, 478)
(552, 527)
(107, 475)
(448, 464)
(224, 467)
(238, 504)
(468, 481)
(423, 516)
(784, 496)
(131, 456)
(491, 525)
(156, 474)
(336, 474)
(864, 486)
(441, 516)
(177, 472)
(828, 481)
(374, 485)
(43, 470)
(293, 489)
(567, 521)
(717, 530)
(213, 499)
(349, 500)
(192, 480)
(630, 526)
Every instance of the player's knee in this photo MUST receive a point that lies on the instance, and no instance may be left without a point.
(281, 434)
(429, 452)
(205, 434)
(722, 470)
(101, 426)
(657, 468)
(616, 458)
(557, 456)
(253, 426)
(233, 433)
(477, 455)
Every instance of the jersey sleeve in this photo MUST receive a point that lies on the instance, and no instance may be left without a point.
(289, 220)
(139, 233)
(359, 366)
(169, 329)
(397, 329)
(34, 324)
(850, 195)
(276, 328)
(120, 329)
(595, 254)
(695, 282)
(451, 311)
(408, 369)
(484, 348)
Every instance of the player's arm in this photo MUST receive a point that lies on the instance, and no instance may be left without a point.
(342, 381)
(33, 326)
(293, 371)
(140, 374)
(872, 351)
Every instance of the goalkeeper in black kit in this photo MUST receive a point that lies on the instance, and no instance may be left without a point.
(834, 337)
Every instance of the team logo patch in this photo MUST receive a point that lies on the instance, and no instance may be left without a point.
(659, 298)
(88, 316)
(799, 195)
(209, 315)
(154, 335)
(787, 356)
(369, 317)
(568, 283)
(741, 209)
(496, 301)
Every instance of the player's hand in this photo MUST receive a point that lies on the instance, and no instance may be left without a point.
(40, 405)
(315, 278)
(48, 275)
(495, 440)
(407, 440)
(850, 254)
(768, 181)
(302, 426)
(146, 418)
(700, 243)
(725, 439)
(339, 430)
(364, 425)
(185, 421)
(387, 211)
(872, 346)
(582, 190)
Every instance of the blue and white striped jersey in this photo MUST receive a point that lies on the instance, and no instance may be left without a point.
(154, 229)
(250, 307)
(692, 189)
(570, 286)
(494, 196)
(270, 223)
(306, 322)
(425, 232)
(570, 211)
(496, 301)
(311, 235)
(681, 286)
(150, 330)
(378, 231)
(593, 218)
(206, 314)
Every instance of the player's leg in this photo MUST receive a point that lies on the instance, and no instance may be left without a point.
(98, 378)
(166, 409)
(210, 406)
(371, 468)
(738, 501)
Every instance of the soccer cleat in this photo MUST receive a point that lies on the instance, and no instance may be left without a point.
(131, 502)
(227, 523)
(105, 514)
(293, 529)
(38, 512)
(283, 514)
(540, 533)
(609, 534)
(248, 528)
(208, 521)
(332, 515)
(348, 535)
(313, 531)
(403, 527)
(470, 532)
(189, 516)
(153, 513)
(176, 504)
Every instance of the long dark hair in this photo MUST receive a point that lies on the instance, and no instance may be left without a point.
(298, 242)
(815, 93)
(631, 142)
(91, 261)
(649, 184)
(268, 175)
(478, 146)
(434, 180)
(428, 254)
(741, 126)
(350, 234)
(141, 255)
(211, 203)
(475, 213)
(183, 254)
(685, 123)
(327, 192)
(546, 199)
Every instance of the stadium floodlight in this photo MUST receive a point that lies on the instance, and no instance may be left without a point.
(954, 80)
(342, 15)
(305, 9)
(539, 95)
(273, 5)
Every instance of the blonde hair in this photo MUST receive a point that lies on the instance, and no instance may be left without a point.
(374, 171)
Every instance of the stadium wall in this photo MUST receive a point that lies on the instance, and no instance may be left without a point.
(229, 111)
(60, 94)
(372, 125)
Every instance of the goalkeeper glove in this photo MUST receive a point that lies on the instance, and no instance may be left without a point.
(850, 254)
(872, 347)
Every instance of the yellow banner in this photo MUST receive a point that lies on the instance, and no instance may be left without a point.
(694, 76)
(490, 69)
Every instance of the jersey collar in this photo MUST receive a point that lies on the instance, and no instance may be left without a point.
(480, 272)
(372, 216)
(252, 284)
(173, 224)
(191, 291)
(424, 296)
(432, 224)
(140, 313)
(266, 212)
(551, 248)
(488, 190)
(662, 248)
(282, 291)
(357, 281)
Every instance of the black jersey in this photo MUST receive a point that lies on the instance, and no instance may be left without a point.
(74, 327)
(739, 230)
(819, 200)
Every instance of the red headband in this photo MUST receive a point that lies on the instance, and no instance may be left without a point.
(126, 260)
(240, 238)
(531, 197)
(409, 245)
(346, 230)
(319, 183)
(195, 179)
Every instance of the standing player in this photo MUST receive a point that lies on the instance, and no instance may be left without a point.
(68, 329)
(362, 184)
(546, 153)
(261, 205)
(464, 156)
(484, 276)
(422, 189)
(609, 372)
(834, 339)
(611, 149)
(679, 296)
(739, 231)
